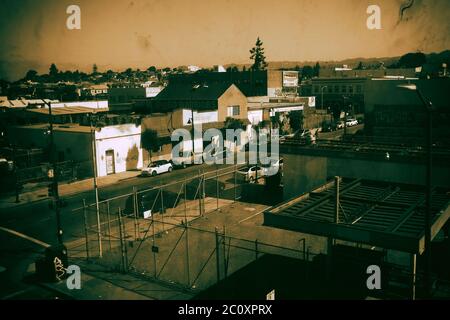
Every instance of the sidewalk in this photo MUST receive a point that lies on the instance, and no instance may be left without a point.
(65, 189)
(98, 283)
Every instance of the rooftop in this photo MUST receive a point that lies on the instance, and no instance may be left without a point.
(58, 127)
(180, 91)
(67, 110)
(382, 214)
(270, 105)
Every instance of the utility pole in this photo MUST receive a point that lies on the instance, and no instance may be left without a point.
(16, 177)
(54, 184)
(428, 182)
(94, 164)
(321, 100)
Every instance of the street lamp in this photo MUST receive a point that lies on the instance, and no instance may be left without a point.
(54, 184)
(94, 163)
(321, 89)
(427, 253)
(194, 88)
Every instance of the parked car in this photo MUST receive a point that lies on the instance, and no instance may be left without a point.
(340, 125)
(157, 167)
(251, 173)
(273, 167)
(182, 162)
(352, 122)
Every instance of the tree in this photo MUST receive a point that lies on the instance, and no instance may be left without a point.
(152, 69)
(307, 72)
(296, 120)
(412, 60)
(257, 55)
(94, 69)
(232, 123)
(316, 69)
(53, 71)
(150, 141)
(128, 73)
(31, 75)
(360, 66)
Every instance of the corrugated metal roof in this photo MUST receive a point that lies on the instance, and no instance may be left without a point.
(371, 212)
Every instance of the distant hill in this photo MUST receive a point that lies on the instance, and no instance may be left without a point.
(432, 58)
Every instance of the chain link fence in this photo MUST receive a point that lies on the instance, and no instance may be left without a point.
(154, 232)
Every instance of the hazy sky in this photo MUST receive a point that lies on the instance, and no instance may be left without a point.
(139, 33)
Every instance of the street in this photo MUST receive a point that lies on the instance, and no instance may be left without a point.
(38, 221)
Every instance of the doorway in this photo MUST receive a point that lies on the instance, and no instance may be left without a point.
(110, 163)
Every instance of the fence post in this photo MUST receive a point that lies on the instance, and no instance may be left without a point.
(153, 245)
(108, 214)
(86, 233)
(187, 255)
(200, 193)
(217, 188)
(235, 183)
(203, 192)
(135, 211)
(185, 198)
(217, 255)
(163, 210)
(225, 262)
(256, 249)
(122, 243)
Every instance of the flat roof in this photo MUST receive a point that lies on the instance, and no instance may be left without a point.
(375, 213)
(58, 111)
(270, 105)
(58, 127)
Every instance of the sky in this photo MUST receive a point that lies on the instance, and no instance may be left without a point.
(140, 33)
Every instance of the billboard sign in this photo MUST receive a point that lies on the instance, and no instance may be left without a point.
(290, 79)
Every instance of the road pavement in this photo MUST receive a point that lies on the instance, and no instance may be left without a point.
(38, 221)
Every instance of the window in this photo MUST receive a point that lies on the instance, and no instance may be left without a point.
(316, 89)
(336, 89)
(344, 89)
(330, 89)
(233, 111)
(350, 89)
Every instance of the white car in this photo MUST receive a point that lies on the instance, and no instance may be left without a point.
(157, 167)
(340, 125)
(273, 168)
(352, 122)
(252, 173)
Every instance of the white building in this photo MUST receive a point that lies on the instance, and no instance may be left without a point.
(100, 104)
(118, 147)
(193, 69)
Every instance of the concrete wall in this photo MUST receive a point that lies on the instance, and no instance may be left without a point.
(274, 83)
(103, 104)
(199, 117)
(304, 172)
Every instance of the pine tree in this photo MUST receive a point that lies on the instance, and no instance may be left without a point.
(317, 69)
(257, 55)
